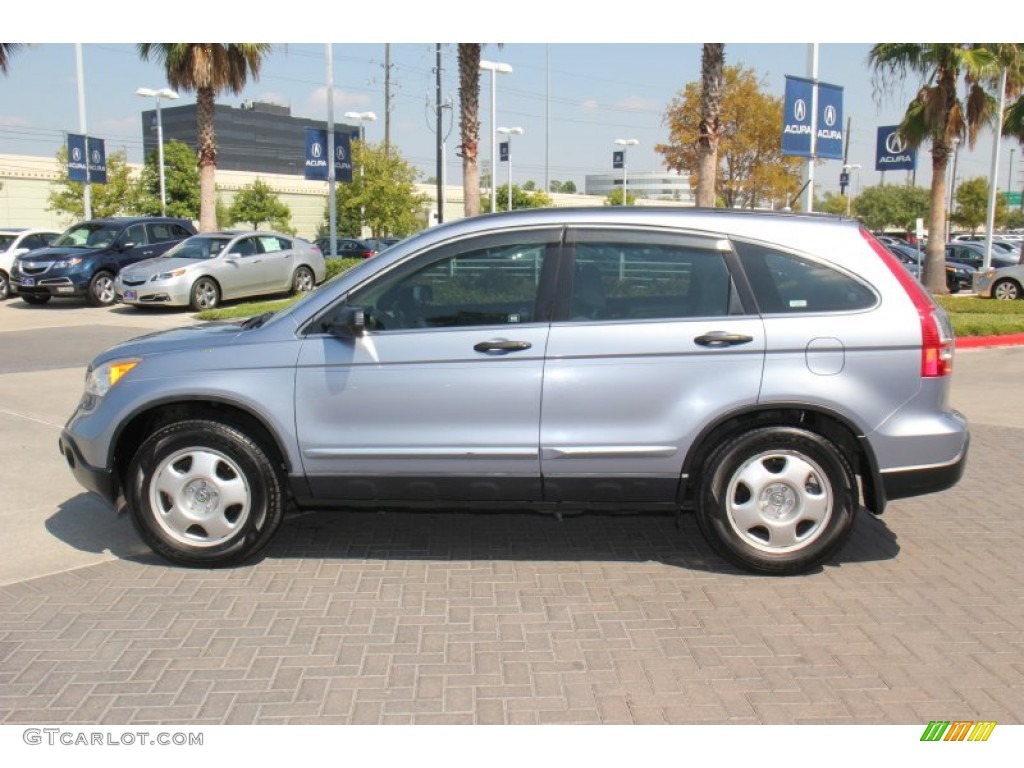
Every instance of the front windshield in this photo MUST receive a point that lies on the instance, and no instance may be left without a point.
(5, 242)
(198, 248)
(88, 236)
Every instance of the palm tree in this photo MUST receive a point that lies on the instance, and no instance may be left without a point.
(469, 124)
(712, 66)
(6, 49)
(939, 114)
(208, 69)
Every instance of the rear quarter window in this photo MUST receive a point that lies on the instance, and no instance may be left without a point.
(787, 284)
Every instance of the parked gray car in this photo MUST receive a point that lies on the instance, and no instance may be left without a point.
(206, 269)
(770, 372)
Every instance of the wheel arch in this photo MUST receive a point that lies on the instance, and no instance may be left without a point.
(140, 425)
(834, 427)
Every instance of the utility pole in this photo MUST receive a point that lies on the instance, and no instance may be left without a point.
(387, 96)
(440, 138)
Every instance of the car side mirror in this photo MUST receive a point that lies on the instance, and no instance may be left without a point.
(126, 246)
(349, 322)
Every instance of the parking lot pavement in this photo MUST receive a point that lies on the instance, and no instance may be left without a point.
(451, 618)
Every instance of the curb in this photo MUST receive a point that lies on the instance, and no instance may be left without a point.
(984, 342)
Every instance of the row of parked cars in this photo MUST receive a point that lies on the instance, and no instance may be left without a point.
(965, 270)
(161, 261)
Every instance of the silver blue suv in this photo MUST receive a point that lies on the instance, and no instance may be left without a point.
(770, 372)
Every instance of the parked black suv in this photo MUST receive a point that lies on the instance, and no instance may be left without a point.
(84, 260)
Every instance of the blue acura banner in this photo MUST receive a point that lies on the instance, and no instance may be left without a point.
(97, 154)
(316, 155)
(891, 151)
(830, 122)
(796, 117)
(798, 120)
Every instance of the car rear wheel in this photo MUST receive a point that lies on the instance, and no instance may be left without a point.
(101, 289)
(1006, 289)
(204, 493)
(205, 294)
(35, 299)
(777, 500)
(5, 286)
(303, 280)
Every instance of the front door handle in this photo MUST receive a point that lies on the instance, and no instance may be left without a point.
(501, 345)
(722, 339)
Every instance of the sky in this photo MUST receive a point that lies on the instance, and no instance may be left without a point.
(572, 98)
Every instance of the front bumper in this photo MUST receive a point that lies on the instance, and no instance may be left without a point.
(167, 293)
(99, 480)
(47, 286)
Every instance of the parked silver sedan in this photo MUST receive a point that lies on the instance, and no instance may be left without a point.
(208, 268)
(1001, 283)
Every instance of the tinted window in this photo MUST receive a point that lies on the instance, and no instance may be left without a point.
(164, 231)
(245, 247)
(136, 233)
(648, 278)
(784, 283)
(496, 285)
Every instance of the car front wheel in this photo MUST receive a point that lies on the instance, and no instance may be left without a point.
(777, 500)
(1006, 289)
(204, 493)
(205, 294)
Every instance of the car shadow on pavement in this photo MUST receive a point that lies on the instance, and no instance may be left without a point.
(88, 524)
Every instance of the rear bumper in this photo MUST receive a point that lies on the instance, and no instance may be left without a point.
(917, 481)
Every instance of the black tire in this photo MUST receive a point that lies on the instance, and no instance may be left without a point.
(205, 294)
(35, 299)
(777, 500)
(952, 284)
(1006, 289)
(303, 280)
(204, 494)
(101, 289)
(5, 286)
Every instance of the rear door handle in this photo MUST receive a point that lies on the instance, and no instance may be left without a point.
(722, 339)
(501, 345)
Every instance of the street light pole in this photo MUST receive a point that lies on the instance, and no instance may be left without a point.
(494, 67)
(361, 118)
(510, 132)
(849, 198)
(165, 93)
(625, 144)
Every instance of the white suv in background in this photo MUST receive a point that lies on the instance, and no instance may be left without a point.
(13, 243)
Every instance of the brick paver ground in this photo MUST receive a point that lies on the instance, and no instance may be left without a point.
(443, 618)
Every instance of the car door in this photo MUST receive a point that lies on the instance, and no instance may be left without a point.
(133, 245)
(244, 274)
(652, 344)
(440, 397)
(278, 261)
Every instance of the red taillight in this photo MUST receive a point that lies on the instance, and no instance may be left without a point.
(936, 346)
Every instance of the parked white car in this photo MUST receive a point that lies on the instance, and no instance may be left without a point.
(208, 268)
(13, 243)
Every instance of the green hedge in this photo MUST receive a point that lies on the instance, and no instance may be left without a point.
(974, 316)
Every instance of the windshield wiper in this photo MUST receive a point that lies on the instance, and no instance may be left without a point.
(257, 321)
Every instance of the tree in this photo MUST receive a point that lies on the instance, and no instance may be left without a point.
(615, 197)
(469, 124)
(529, 186)
(181, 182)
(751, 167)
(522, 197)
(6, 49)
(712, 64)
(832, 203)
(382, 193)
(257, 204)
(208, 69)
(118, 197)
(972, 204)
(563, 187)
(938, 114)
(892, 205)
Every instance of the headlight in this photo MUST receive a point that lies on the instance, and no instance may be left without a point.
(168, 275)
(98, 381)
(74, 261)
